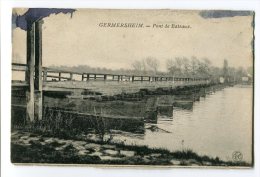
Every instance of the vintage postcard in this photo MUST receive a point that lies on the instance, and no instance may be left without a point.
(132, 87)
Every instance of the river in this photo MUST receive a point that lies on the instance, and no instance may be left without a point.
(218, 125)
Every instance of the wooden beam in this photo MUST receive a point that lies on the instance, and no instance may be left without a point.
(38, 55)
(38, 71)
(29, 76)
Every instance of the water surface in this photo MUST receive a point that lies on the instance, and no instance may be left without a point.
(217, 125)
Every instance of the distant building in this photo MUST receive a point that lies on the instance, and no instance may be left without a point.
(245, 79)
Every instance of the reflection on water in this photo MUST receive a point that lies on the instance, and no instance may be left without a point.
(217, 125)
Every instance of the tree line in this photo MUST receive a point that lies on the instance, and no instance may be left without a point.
(176, 67)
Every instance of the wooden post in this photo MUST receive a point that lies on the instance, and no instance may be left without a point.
(133, 78)
(71, 76)
(87, 77)
(95, 76)
(29, 77)
(82, 77)
(59, 76)
(105, 77)
(45, 73)
(142, 78)
(38, 71)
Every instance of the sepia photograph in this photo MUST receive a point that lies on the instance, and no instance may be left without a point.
(132, 87)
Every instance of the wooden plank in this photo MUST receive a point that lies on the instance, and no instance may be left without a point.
(50, 70)
(19, 64)
(19, 69)
(58, 77)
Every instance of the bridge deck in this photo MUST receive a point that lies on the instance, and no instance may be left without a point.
(108, 88)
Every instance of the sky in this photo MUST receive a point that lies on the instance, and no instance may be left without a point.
(79, 39)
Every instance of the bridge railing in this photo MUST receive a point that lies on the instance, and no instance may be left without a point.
(19, 71)
(50, 75)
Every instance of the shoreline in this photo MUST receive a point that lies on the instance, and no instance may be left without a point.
(41, 149)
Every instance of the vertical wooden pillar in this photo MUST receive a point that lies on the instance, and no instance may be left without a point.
(29, 77)
(105, 77)
(38, 55)
(59, 76)
(45, 73)
(142, 78)
(87, 77)
(95, 76)
(71, 76)
(82, 77)
(133, 78)
(38, 71)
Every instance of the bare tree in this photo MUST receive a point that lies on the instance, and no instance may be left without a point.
(225, 67)
(153, 64)
(207, 65)
(204, 68)
(186, 66)
(174, 66)
(250, 70)
(194, 65)
(137, 66)
(144, 71)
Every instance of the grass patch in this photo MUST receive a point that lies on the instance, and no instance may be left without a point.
(38, 153)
